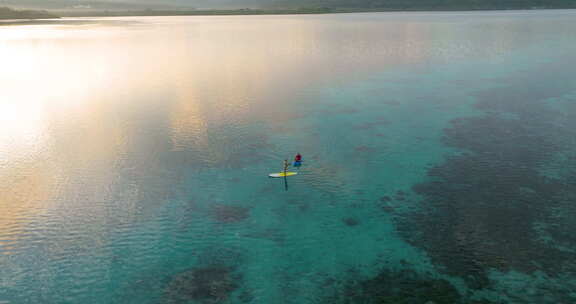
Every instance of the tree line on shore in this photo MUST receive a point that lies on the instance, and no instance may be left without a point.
(308, 7)
(433, 5)
(8, 13)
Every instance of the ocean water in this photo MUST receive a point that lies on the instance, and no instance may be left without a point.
(439, 159)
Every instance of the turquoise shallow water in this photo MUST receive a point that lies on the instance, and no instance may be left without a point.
(438, 159)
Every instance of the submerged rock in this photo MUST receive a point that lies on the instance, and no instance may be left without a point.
(385, 199)
(364, 149)
(230, 214)
(350, 221)
(394, 287)
(212, 284)
(220, 256)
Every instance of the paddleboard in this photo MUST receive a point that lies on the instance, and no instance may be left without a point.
(281, 174)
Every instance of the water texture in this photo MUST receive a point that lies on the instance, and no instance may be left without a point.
(439, 159)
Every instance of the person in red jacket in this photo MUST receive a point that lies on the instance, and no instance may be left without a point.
(298, 160)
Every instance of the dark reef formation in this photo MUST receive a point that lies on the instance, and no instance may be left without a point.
(212, 284)
(395, 287)
(481, 207)
(350, 221)
(230, 214)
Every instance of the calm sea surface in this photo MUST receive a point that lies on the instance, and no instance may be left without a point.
(439, 159)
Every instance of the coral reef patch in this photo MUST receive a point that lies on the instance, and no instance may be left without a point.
(394, 287)
(207, 285)
(481, 207)
(230, 214)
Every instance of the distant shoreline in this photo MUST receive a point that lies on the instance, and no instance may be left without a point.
(160, 13)
(54, 16)
(304, 11)
(7, 13)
